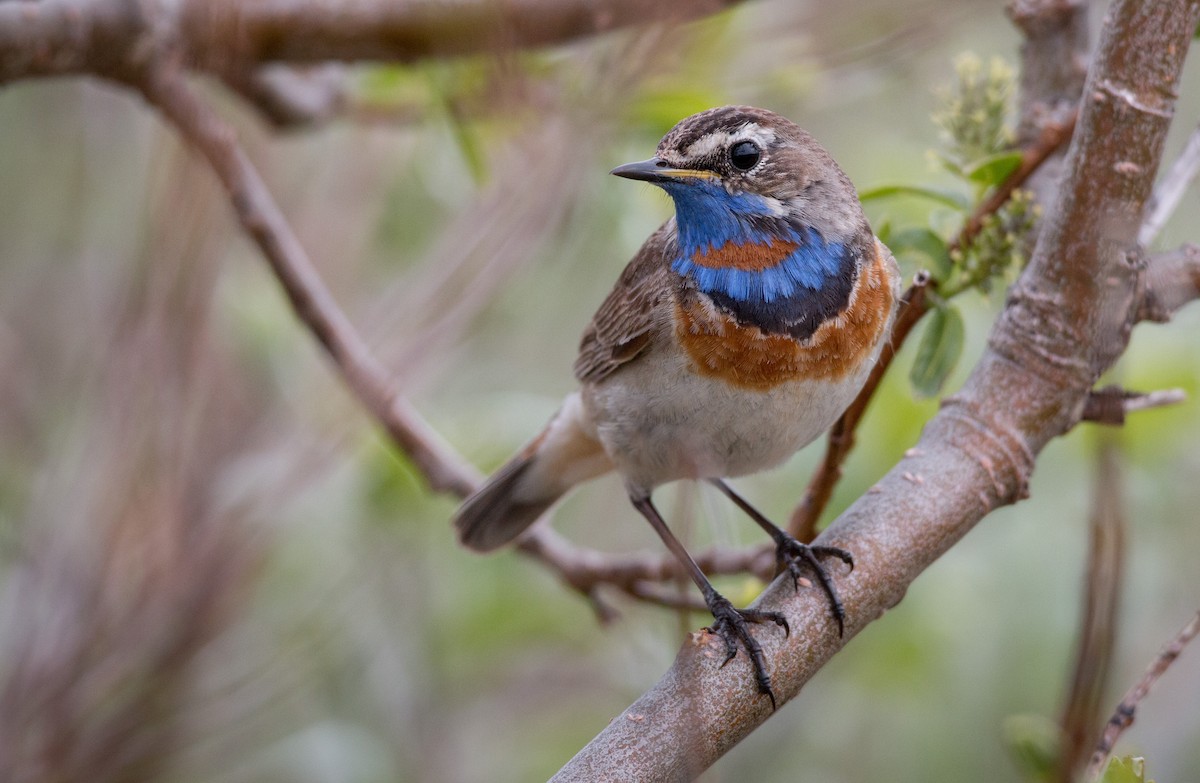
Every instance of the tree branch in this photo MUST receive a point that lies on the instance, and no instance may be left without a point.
(978, 452)
(61, 37)
(1122, 718)
(165, 87)
(1054, 57)
(1112, 404)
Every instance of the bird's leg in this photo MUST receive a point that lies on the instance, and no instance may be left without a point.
(789, 552)
(731, 622)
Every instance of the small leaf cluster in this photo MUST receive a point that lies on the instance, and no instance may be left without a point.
(997, 251)
(974, 116)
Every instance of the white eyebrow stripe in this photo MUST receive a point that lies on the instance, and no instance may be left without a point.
(719, 141)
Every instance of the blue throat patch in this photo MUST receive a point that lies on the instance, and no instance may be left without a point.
(792, 295)
(709, 218)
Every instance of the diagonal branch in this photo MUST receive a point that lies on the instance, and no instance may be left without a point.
(1122, 717)
(166, 88)
(1169, 192)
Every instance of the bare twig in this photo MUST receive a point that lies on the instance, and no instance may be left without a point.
(584, 569)
(167, 89)
(1170, 189)
(1098, 621)
(1111, 404)
(1122, 717)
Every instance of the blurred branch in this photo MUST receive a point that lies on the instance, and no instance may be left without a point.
(1172, 280)
(586, 570)
(1067, 321)
(292, 97)
(165, 87)
(1122, 717)
(115, 37)
(1098, 621)
(1054, 57)
(1170, 189)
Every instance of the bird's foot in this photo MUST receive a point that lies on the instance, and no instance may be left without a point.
(790, 553)
(732, 625)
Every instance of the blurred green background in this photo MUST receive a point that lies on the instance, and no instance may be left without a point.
(215, 569)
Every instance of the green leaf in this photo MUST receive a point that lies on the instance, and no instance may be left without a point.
(941, 195)
(993, 169)
(926, 247)
(940, 347)
(1130, 769)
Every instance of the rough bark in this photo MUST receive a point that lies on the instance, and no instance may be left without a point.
(61, 37)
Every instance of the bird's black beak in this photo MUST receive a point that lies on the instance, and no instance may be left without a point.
(659, 171)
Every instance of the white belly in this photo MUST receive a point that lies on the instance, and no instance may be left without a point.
(659, 421)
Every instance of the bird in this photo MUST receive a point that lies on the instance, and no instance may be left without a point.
(739, 333)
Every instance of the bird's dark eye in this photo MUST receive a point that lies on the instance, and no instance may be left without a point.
(744, 155)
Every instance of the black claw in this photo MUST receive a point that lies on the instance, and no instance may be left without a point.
(790, 552)
(731, 624)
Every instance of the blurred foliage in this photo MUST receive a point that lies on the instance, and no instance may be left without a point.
(364, 645)
(1034, 742)
(975, 116)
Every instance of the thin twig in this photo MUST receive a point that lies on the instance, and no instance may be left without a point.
(1122, 717)
(1170, 189)
(1111, 404)
(165, 87)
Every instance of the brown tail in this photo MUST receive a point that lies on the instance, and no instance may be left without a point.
(563, 455)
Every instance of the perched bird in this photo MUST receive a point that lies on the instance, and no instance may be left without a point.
(740, 331)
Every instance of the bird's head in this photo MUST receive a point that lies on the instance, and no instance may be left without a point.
(738, 170)
(767, 224)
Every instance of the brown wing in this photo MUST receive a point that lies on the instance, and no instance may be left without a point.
(623, 327)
